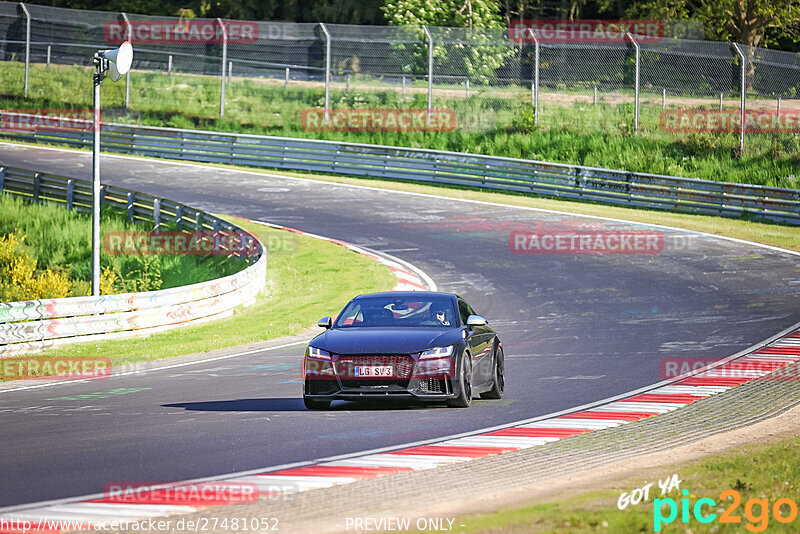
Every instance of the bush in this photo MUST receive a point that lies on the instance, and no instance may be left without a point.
(524, 119)
(19, 279)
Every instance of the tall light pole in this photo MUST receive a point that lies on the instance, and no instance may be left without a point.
(113, 63)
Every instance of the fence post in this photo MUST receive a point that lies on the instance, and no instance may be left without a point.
(179, 217)
(720, 101)
(467, 85)
(27, 46)
(128, 74)
(48, 56)
(130, 208)
(403, 93)
(37, 184)
(347, 90)
(327, 71)
(595, 95)
(198, 222)
(169, 66)
(70, 194)
(743, 110)
(430, 67)
(535, 79)
(230, 71)
(224, 61)
(286, 80)
(156, 215)
(663, 98)
(636, 82)
(2, 178)
(779, 105)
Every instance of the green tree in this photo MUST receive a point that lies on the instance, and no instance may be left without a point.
(750, 22)
(453, 13)
(468, 39)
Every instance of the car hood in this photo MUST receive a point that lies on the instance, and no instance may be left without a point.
(375, 340)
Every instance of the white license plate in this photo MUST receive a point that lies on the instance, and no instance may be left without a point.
(374, 370)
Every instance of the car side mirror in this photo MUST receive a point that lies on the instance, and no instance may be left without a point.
(475, 320)
(325, 322)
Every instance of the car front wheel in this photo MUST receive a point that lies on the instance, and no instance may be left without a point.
(464, 398)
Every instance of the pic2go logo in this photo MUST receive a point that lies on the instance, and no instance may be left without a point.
(756, 511)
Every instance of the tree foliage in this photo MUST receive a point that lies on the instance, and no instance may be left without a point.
(476, 51)
(751, 22)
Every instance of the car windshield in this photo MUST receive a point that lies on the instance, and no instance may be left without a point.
(398, 311)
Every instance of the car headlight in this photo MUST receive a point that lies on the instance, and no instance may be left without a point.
(438, 352)
(314, 352)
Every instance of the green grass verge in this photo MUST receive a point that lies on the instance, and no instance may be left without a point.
(62, 241)
(306, 279)
(496, 121)
(756, 472)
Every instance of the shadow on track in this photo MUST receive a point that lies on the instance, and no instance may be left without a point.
(283, 404)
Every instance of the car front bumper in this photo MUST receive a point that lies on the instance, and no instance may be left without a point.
(425, 379)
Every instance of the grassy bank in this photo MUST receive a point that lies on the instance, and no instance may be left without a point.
(61, 241)
(766, 473)
(306, 279)
(497, 121)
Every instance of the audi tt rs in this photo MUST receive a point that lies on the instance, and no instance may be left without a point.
(416, 345)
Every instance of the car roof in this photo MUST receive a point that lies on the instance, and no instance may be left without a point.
(405, 294)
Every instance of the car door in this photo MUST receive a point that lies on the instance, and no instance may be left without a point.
(479, 340)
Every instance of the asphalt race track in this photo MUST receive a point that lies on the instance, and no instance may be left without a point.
(576, 328)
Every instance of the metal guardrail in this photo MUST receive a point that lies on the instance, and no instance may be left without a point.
(688, 195)
(37, 324)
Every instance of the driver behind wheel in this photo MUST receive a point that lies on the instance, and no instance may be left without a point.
(440, 316)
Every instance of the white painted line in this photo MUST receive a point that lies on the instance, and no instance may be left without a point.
(785, 358)
(787, 342)
(379, 462)
(738, 373)
(414, 461)
(648, 407)
(126, 509)
(521, 442)
(310, 482)
(594, 424)
(698, 391)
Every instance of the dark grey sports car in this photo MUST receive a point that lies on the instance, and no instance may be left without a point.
(414, 344)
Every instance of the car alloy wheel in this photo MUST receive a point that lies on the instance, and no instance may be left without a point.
(464, 398)
(498, 382)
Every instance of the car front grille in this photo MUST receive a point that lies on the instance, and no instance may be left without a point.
(402, 365)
